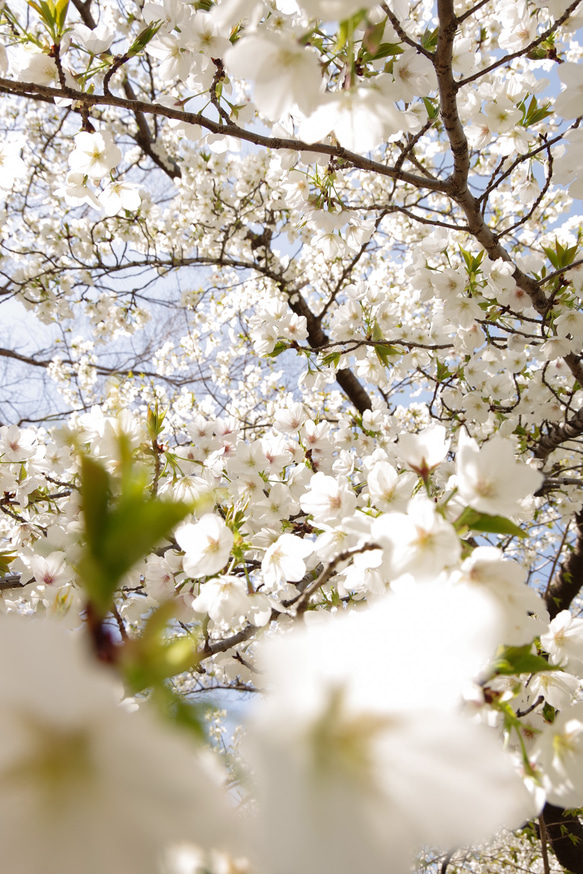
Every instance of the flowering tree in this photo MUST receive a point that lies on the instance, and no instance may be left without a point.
(311, 284)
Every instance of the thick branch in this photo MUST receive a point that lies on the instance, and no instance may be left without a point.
(568, 581)
(448, 97)
(457, 184)
(146, 141)
(31, 89)
(565, 833)
(84, 10)
(352, 387)
(557, 434)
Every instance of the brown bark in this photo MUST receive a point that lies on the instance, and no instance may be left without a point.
(568, 581)
(565, 834)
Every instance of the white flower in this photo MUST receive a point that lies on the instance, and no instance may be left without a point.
(423, 452)
(284, 560)
(52, 570)
(414, 75)
(329, 498)
(361, 749)
(103, 789)
(95, 41)
(291, 418)
(224, 599)
(502, 115)
(389, 491)
(17, 444)
(11, 164)
(175, 54)
(119, 195)
(505, 581)
(76, 191)
(207, 545)
(558, 750)
(95, 154)
(558, 688)
(489, 478)
(420, 542)
(570, 323)
(361, 118)
(568, 102)
(285, 73)
(564, 640)
(32, 65)
(334, 10)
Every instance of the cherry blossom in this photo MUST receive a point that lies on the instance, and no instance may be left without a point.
(206, 544)
(284, 74)
(76, 762)
(336, 742)
(490, 480)
(95, 154)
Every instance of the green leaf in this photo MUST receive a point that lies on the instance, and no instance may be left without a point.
(61, 9)
(96, 493)
(385, 352)
(371, 40)
(347, 27)
(560, 256)
(520, 660)
(279, 347)
(6, 558)
(155, 421)
(431, 107)
(443, 372)
(385, 50)
(488, 524)
(188, 716)
(143, 38)
(472, 262)
(120, 532)
(137, 528)
(150, 659)
(429, 39)
(331, 359)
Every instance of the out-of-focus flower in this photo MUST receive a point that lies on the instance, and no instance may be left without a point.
(361, 118)
(11, 164)
(568, 102)
(505, 581)
(559, 751)
(361, 749)
(339, 10)
(284, 73)
(564, 641)
(102, 789)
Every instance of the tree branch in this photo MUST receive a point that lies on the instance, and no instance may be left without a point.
(557, 434)
(568, 581)
(31, 89)
(565, 833)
